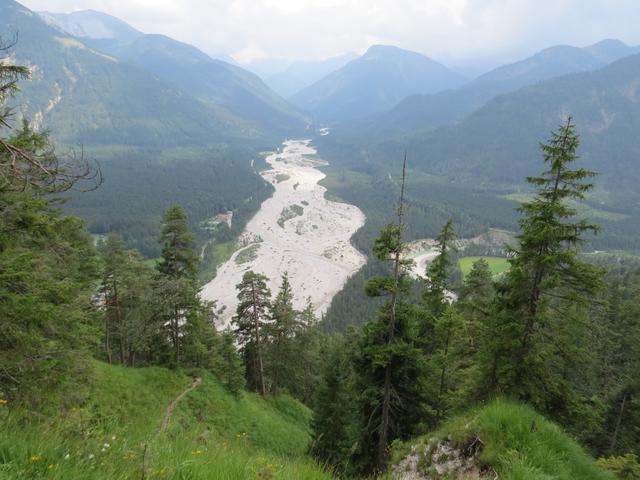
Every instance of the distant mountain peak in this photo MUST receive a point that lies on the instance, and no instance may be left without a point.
(374, 82)
(92, 24)
(382, 48)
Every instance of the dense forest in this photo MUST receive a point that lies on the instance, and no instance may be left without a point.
(556, 334)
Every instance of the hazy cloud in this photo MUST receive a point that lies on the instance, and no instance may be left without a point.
(449, 30)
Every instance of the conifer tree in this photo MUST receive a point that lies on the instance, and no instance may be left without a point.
(177, 282)
(438, 272)
(283, 331)
(127, 290)
(251, 324)
(335, 430)
(178, 259)
(388, 362)
(230, 367)
(48, 266)
(546, 282)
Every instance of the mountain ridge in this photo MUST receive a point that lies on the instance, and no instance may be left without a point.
(374, 82)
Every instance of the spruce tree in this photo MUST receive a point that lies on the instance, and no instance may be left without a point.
(48, 268)
(283, 332)
(127, 290)
(335, 418)
(230, 368)
(177, 282)
(388, 362)
(178, 259)
(547, 283)
(439, 271)
(251, 324)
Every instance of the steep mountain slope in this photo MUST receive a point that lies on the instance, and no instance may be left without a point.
(213, 81)
(500, 141)
(183, 66)
(428, 111)
(374, 82)
(300, 75)
(88, 97)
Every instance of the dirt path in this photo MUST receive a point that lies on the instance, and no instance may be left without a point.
(146, 454)
(169, 412)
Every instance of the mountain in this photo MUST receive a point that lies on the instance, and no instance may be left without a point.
(180, 65)
(85, 96)
(300, 75)
(499, 141)
(374, 82)
(157, 143)
(427, 111)
(92, 24)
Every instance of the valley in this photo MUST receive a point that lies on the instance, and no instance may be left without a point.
(297, 231)
(254, 257)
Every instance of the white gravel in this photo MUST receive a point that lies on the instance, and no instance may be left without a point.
(314, 248)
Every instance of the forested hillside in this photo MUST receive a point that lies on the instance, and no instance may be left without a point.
(421, 112)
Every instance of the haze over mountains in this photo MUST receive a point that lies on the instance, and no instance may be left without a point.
(183, 66)
(425, 111)
(374, 82)
(300, 75)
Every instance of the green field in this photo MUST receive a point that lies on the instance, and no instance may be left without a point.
(498, 265)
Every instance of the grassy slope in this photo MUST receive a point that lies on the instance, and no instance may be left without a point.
(518, 443)
(212, 434)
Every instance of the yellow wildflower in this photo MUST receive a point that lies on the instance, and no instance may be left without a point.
(36, 458)
(3, 401)
(196, 452)
(51, 466)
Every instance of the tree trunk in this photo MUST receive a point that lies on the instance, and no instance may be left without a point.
(443, 371)
(385, 418)
(616, 431)
(176, 336)
(256, 326)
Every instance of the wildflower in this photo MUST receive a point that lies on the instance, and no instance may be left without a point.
(196, 452)
(91, 456)
(51, 466)
(36, 458)
(3, 401)
(113, 438)
(106, 445)
(67, 456)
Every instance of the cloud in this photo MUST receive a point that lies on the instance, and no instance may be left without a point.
(449, 30)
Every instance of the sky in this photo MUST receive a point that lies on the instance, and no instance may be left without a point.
(457, 32)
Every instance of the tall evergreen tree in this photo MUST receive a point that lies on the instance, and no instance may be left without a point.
(335, 429)
(251, 324)
(127, 291)
(177, 282)
(546, 283)
(178, 259)
(48, 266)
(388, 361)
(230, 367)
(439, 271)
